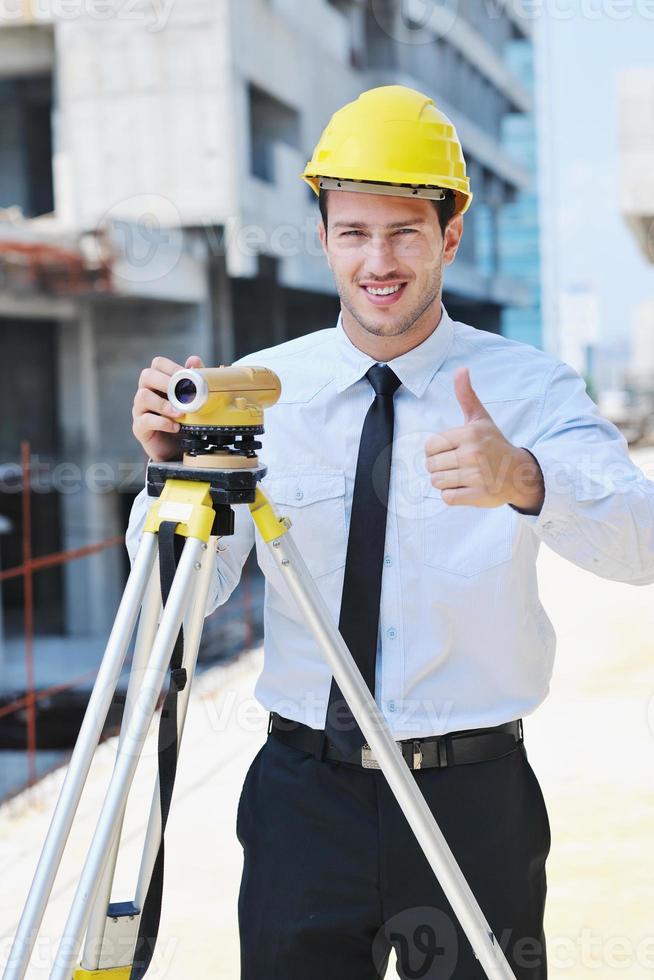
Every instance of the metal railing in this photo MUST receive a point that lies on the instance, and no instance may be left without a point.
(241, 606)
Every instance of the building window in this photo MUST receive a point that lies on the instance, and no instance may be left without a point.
(271, 122)
(26, 144)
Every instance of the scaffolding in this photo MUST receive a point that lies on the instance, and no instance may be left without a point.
(30, 262)
(240, 607)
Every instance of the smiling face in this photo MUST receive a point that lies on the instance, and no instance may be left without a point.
(387, 255)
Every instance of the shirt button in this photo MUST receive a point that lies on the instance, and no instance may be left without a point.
(391, 633)
(299, 494)
(392, 706)
(388, 560)
(548, 525)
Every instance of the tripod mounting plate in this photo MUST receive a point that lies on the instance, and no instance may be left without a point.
(226, 486)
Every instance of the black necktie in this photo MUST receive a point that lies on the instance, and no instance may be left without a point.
(359, 617)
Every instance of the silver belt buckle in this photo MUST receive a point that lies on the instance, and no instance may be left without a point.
(368, 761)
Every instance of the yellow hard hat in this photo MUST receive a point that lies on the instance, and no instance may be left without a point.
(396, 139)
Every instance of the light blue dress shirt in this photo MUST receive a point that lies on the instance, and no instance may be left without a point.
(464, 641)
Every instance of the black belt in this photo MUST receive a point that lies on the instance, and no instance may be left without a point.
(451, 749)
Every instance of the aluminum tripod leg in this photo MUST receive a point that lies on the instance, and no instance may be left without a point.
(192, 636)
(147, 630)
(397, 773)
(100, 923)
(78, 768)
(181, 591)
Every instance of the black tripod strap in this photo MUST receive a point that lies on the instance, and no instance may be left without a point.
(170, 548)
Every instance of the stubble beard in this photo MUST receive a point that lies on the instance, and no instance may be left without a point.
(406, 323)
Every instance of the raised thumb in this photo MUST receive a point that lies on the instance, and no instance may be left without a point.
(467, 398)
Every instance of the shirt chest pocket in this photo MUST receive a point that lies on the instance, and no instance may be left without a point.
(315, 504)
(465, 540)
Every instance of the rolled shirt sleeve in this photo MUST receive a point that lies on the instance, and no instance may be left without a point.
(598, 510)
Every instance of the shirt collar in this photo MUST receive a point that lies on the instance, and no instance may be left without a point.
(415, 368)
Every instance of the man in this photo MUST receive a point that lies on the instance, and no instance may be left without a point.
(422, 462)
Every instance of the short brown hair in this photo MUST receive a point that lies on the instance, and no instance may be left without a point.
(444, 209)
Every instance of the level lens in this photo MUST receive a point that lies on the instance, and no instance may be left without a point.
(185, 391)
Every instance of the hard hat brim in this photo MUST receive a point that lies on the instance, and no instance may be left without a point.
(463, 198)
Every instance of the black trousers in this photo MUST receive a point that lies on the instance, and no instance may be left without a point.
(333, 877)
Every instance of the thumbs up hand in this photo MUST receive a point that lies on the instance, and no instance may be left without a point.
(475, 465)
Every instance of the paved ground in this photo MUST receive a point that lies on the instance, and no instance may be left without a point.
(591, 744)
(203, 862)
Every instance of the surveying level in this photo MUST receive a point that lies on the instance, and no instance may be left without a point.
(220, 468)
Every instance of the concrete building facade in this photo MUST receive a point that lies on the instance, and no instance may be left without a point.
(149, 165)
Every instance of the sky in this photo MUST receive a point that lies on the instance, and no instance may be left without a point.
(588, 240)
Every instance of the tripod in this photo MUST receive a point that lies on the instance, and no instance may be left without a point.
(196, 504)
